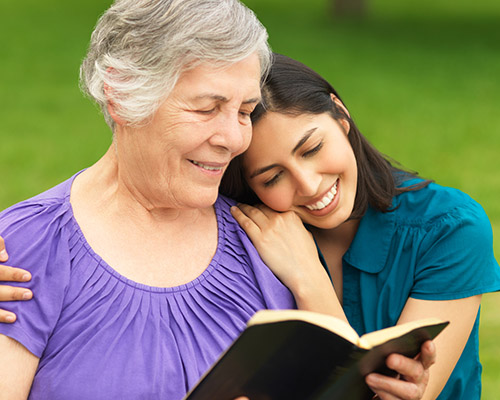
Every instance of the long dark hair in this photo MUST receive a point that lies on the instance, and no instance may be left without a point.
(293, 88)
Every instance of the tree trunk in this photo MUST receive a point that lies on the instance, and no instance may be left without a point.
(348, 8)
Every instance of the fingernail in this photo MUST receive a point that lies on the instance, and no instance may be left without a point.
(10, 318)
(3, 255)
(26, 277)
(27, 295)
(372, 379)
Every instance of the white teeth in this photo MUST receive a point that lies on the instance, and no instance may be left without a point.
(208, 168)
(325, 200)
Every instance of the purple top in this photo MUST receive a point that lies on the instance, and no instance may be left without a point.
(100, 335)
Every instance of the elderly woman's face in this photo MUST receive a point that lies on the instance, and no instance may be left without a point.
(178, 159)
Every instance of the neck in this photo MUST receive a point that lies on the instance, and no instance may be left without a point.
(105, 187)
(340, 237)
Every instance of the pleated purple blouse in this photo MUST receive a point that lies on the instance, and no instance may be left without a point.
(100, 335)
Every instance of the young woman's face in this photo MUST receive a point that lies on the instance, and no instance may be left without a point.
(305, 164)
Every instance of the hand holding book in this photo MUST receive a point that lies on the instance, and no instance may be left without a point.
(303, 355)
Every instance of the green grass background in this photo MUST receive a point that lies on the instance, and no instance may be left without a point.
(420, 78)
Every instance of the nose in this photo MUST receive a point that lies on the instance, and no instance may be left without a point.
(231, 134)
(307, 181)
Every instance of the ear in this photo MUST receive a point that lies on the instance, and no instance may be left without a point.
(343, 122)
(336, 100)
(112, 108)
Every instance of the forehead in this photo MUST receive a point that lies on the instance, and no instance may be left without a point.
(274, 136)
(282, 128)
(277, 134)
(241, 77)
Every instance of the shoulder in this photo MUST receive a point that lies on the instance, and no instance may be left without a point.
(239, 255)
(452, 241)
(225, 218)
(38, 234)
(229, 229)
(36, 222)
(441, 236)
(436, 205)
(224, 203)
(40, 207)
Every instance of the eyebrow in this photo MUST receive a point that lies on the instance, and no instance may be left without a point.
(304, 139)
(299, 144)
(224, 99)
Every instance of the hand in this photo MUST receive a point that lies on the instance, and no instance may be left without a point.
(9, 293)
(413, 376)
(288, 249)
(283, 243)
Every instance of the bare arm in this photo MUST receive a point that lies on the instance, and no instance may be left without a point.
(9, 293)
(450, 343)
(17, 369)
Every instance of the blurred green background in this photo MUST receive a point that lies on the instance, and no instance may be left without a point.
(420, 78)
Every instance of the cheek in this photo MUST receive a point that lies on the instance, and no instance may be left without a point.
(279, 199)
(341, 161)
(246, 132)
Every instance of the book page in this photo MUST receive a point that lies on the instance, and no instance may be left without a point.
(328, 322)
(372, 339)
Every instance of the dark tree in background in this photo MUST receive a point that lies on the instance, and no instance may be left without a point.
(348, 8)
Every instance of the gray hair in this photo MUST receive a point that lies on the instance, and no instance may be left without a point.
(139, 48)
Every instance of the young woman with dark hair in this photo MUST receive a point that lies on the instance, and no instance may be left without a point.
(396, 247)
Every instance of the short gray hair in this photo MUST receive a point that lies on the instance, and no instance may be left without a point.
(139, 48)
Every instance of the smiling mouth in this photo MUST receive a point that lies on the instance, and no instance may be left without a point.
(325, 201)
(207, 167)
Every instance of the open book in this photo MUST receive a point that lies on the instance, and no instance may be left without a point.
(303, 355)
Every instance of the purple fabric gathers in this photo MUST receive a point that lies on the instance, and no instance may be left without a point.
(100, 335)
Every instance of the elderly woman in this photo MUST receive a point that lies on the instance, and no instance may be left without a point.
(142, 276)
(176, 81)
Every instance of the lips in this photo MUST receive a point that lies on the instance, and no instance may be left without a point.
(209, 166)
(325, 201)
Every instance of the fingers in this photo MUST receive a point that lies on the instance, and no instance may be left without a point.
(10, 293)
(254, 213)
(427, 354)
(11, 274)
(3, 251)
(7, 317)
(264, 216)
(414, 370)
(414, 373)
(248, 224)
(250, 218)
(411, 369)
(388, 388)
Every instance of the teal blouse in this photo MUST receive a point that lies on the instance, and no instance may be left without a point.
(436, 244)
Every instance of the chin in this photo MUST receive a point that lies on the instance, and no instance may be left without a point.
(330, 221)
(203, 199)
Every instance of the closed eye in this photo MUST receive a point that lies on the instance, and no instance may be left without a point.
(273, 180)
(206, 112)
(313, 151)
